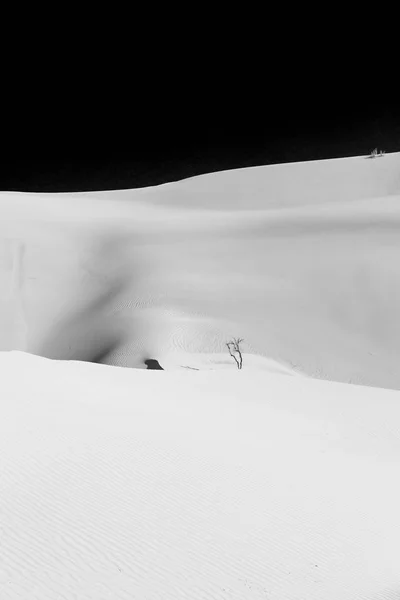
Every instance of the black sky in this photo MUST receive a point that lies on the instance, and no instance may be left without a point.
(76, 140)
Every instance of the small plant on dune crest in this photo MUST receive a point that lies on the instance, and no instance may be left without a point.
(235, 351)
(376, 154)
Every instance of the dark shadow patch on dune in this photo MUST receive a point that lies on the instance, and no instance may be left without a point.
(88, 334)
(102, 354)
(90, 330)
(153, 364)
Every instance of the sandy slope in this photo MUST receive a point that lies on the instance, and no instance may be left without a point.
(300, 259)
(118, 484)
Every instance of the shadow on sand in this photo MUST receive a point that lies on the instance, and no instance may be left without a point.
(151, 363)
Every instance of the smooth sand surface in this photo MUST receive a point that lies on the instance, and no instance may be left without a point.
(119, 484)
(301, 260)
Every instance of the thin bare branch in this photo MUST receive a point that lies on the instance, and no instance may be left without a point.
(234, 348)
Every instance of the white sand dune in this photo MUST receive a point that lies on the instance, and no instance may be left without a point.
(123, 483)
(298, 259)
(201, 481)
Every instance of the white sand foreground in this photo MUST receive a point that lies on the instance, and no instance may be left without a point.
(119, 484)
